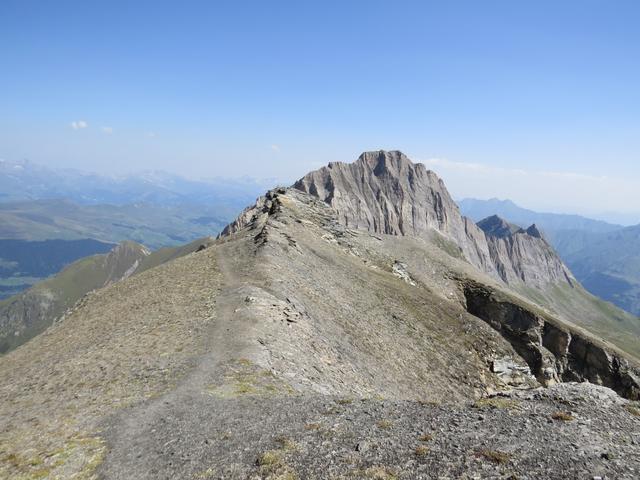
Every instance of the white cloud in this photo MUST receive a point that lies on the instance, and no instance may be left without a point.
(107, 130)
(275, 148)
(79, 124)
(567, 192)
(151, 134)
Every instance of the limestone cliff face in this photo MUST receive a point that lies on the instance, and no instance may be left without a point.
(385, 192)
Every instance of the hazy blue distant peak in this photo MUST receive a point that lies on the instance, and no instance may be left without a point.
(495, 200)
(26, 180)
(479, 209)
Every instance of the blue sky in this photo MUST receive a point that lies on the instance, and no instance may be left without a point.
(502, 98)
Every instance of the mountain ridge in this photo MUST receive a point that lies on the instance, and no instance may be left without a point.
(296, 346)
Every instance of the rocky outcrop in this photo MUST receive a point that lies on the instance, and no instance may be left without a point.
(553, 351)
(384, 192)
(249, 215)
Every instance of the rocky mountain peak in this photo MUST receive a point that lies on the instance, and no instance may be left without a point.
(385, 192)
(392, 162)
(498, 227)
(534, 231)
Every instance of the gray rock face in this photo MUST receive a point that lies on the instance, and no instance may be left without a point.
(512, 372)
(496, 226)
(521, 255)
(552, 351)
(384, 192)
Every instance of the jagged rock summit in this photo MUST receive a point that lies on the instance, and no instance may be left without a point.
(498, 227)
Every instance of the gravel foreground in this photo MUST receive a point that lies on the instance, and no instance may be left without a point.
(571, 431)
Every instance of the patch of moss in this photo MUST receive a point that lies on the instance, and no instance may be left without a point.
(86, 451)
(421, 450)
(632, 409)
(376, 473)
(208, 473)
(495, 456)
(270, 458)
(384, 424)
(287, 475)
(245, 378)
(562, 416)
(273, 466)
(244, 388)
(286, 443)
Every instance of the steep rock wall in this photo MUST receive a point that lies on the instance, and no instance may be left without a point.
(553, 352)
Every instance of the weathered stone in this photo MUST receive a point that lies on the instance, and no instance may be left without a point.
(553, 352)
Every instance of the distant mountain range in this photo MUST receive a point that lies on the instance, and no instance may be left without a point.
(23, 181)
(65, 215)
(150, 224)
(604, 257)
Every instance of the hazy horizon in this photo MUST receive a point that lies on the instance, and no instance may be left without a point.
(537, 103)
(625, 218)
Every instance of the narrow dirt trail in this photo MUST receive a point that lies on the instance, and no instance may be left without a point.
(139, 439)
